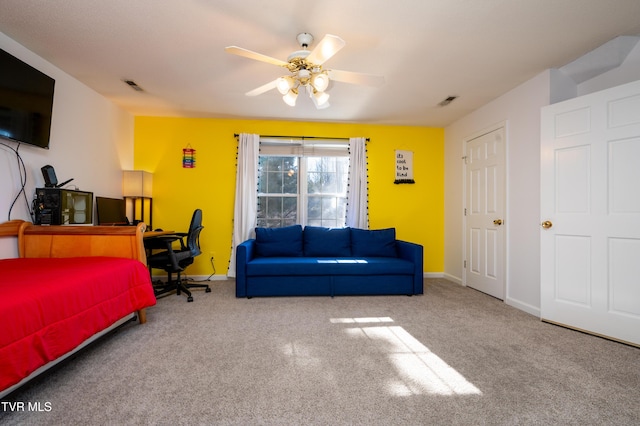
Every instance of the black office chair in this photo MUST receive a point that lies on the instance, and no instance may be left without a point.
(174, 259)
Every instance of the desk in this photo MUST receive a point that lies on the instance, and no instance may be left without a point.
(150, 234)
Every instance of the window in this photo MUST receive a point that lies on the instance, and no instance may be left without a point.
(305, 186)
(277, 191)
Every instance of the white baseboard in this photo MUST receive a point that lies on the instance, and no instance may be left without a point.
(523, 306)
(432, 275)
(453, 278)
(530, 309)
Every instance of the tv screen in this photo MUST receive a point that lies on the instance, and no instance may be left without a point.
(111, 211)
(26, 102)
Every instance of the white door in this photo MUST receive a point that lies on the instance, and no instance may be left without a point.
(484, 213)
(590, 213)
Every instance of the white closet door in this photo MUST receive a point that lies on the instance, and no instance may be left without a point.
(484, 213)
(590, 213)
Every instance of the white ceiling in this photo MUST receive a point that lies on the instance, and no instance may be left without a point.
(427, 50)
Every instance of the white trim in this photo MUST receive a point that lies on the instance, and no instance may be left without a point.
(535, 311)
(433, 275)
(453, 278)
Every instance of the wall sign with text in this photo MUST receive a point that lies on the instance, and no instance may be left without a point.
(404, 167)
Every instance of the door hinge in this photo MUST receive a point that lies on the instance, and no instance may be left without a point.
(465, 264)
(465, 211)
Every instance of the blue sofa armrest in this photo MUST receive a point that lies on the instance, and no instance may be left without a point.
(414, 253)
(244, 253)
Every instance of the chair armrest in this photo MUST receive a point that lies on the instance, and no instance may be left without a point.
(413, 253)
(161, 241)
(164, 242)
(244, 253)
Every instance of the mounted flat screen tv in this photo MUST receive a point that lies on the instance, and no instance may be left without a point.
(26, 102)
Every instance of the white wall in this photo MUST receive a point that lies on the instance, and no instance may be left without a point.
(627, 72)
(520, 109)
(91, 142)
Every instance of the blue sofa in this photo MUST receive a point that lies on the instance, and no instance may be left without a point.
(320, 261)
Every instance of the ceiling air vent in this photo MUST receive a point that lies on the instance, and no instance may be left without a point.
(134, 85)
(447, 101)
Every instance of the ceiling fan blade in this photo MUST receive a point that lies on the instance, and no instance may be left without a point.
(328, 46)
(356, 78)
(262, 89)
(235, 50)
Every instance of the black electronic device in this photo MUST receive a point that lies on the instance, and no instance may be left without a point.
(49, 174)
(26, 103)
(50, 179)
(55, 206)
(111, 211)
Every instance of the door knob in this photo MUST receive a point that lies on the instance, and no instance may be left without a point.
(546, 224)
(497, 222)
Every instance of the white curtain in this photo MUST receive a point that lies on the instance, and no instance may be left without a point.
(246, 199)
(357, 212)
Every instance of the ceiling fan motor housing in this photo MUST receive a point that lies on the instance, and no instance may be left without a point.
(304, 40)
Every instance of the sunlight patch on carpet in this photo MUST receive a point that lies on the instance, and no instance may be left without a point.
(359, 320)
(301, 355)
(419, 371)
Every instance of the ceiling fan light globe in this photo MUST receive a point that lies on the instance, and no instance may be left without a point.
(290, 98)
(284, 84)
(321, 99)
(320, 82)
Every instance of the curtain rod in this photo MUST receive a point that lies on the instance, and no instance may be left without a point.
(237, 135)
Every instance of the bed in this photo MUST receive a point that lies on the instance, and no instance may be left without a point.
(70, 285)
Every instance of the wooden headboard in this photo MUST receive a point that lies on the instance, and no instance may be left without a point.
(76, 241)
(10, 228)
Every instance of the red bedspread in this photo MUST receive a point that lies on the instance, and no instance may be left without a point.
(50, 306)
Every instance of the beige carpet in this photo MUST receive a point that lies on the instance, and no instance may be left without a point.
(453, 356)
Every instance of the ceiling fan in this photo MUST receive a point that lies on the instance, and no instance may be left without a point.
(306, 70)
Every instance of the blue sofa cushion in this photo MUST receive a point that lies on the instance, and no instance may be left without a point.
(310, 266)
(282, 242)
(373, 243)
(326, 242)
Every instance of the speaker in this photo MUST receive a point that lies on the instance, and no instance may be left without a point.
(49, 174)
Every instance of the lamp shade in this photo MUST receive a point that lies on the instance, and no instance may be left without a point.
(283, 84)
(290, 97)
(137, 183)
(320, 99)
(320, 82)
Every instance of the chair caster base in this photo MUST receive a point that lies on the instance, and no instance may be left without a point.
(190, 299)
(207, 290)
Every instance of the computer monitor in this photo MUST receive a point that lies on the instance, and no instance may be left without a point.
(111, 211)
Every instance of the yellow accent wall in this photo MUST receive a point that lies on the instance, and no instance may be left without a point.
(415, 210)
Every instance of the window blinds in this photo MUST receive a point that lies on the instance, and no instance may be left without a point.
(304, 147)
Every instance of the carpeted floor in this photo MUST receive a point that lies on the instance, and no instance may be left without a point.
(453, 356)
